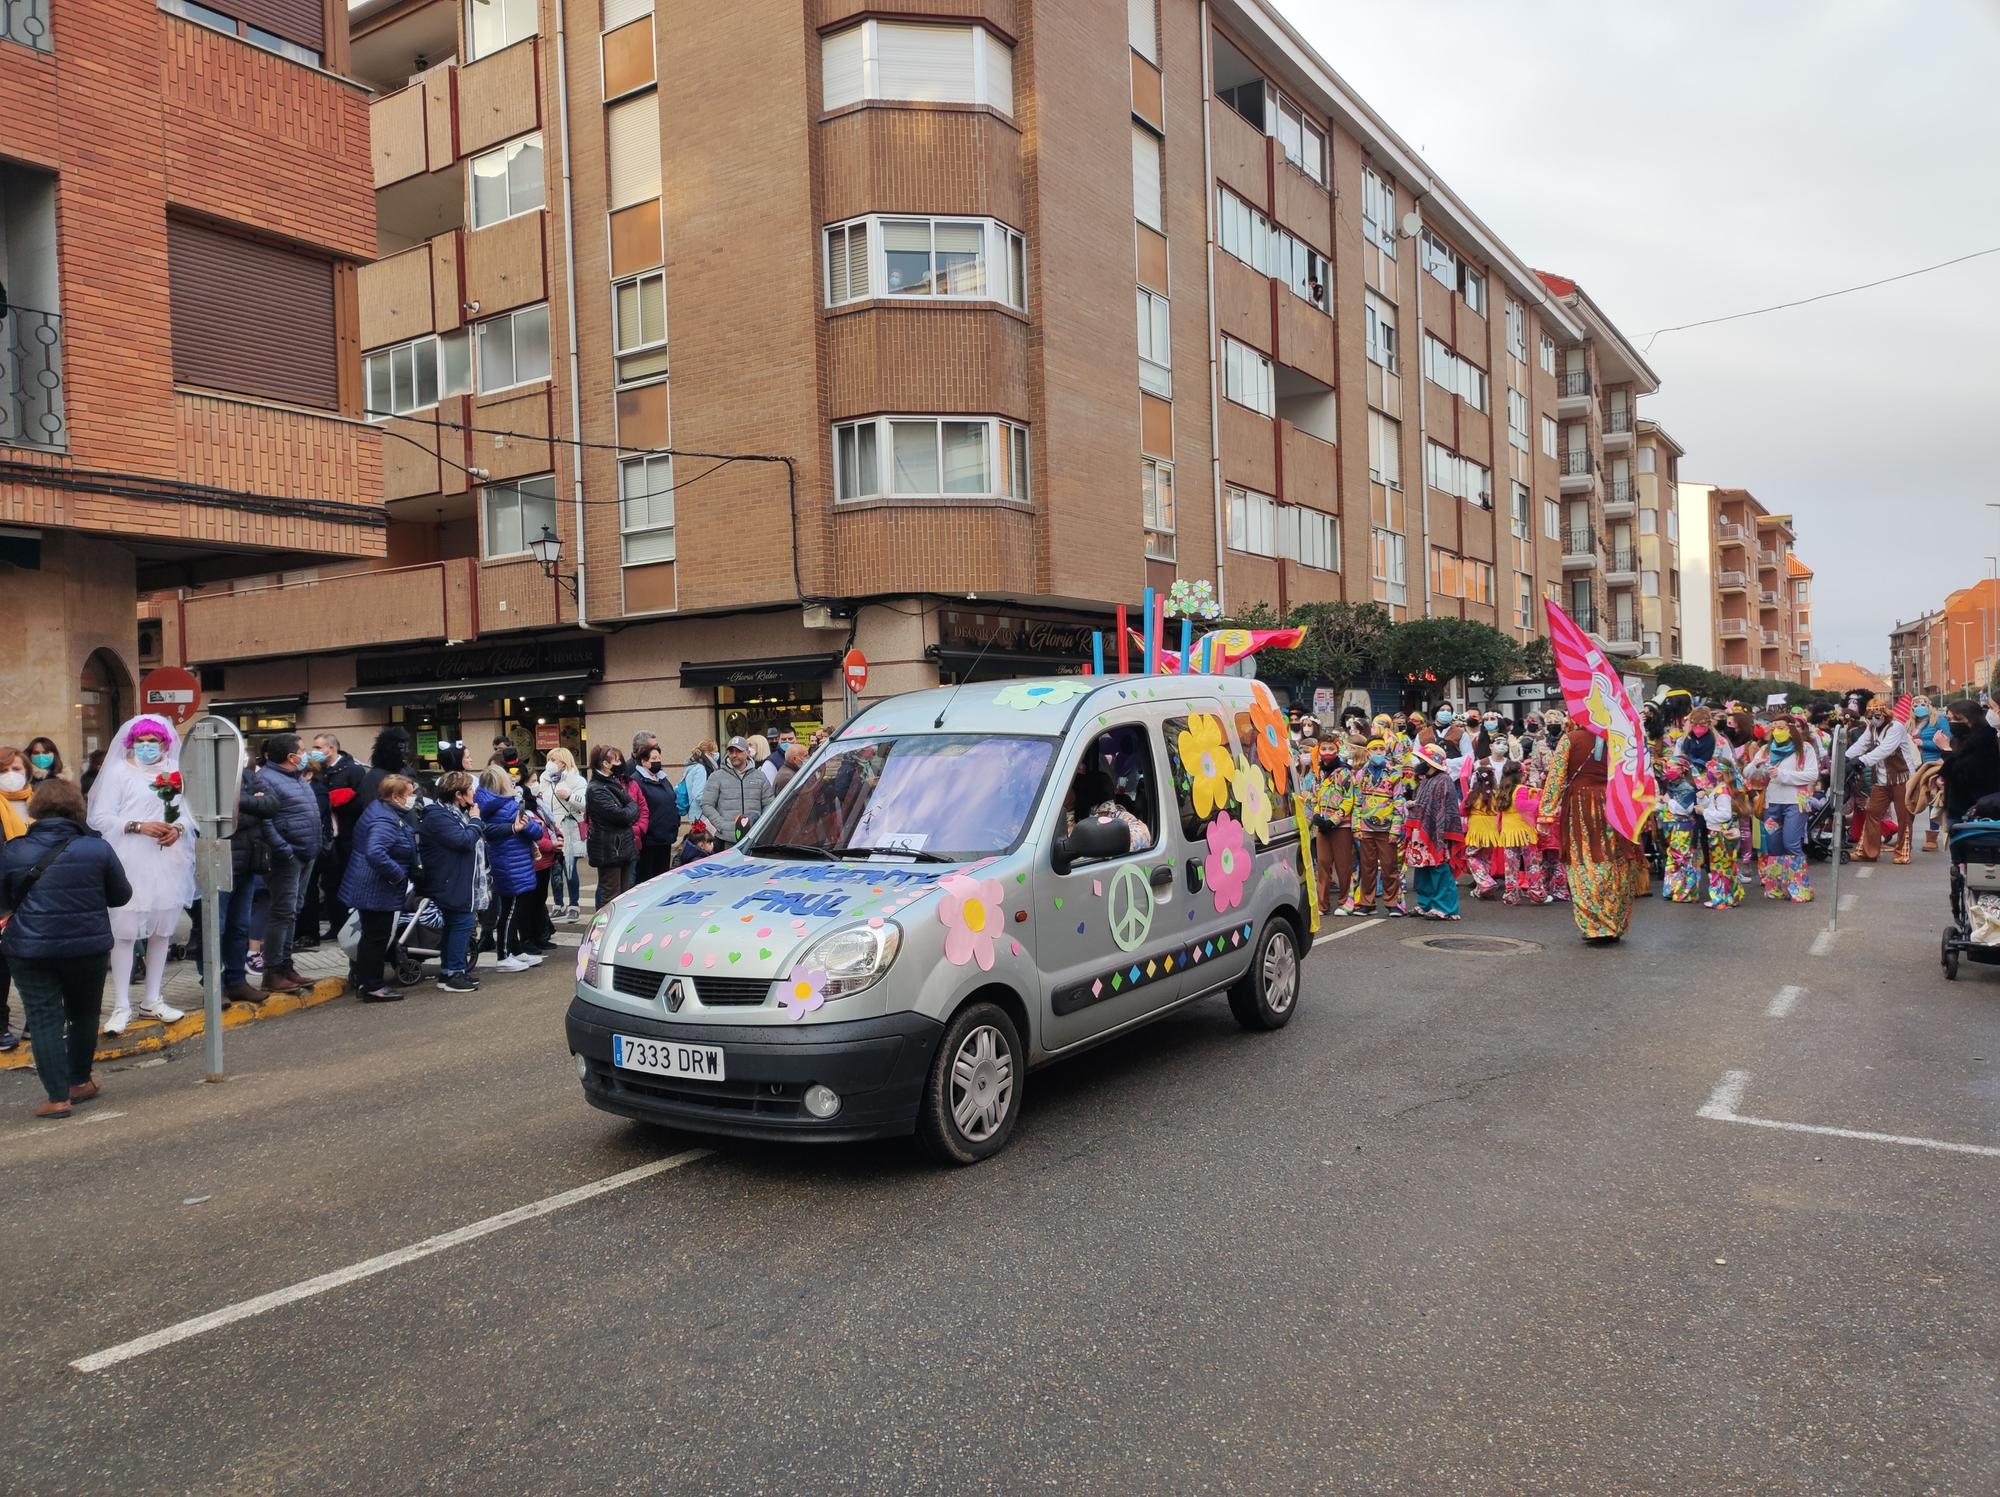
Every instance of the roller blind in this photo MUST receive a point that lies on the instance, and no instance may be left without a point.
(632, 132)
(1146, 178)
(618, 12)
(841, 71)
(301, 21)
(1140, 17)
(251, 317)
(999, 71)
(926, 62)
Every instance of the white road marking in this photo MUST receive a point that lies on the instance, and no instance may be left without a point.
(1781, 1005)
(229, 1314)
(1868, 872)
(75, 1121)
(1345, 928)
(1823, 942)
(1848, 902)
(1721, 1108)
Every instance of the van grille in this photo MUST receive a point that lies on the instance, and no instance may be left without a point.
(637, 982)
(719, 992)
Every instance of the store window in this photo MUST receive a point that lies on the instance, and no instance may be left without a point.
(744, 710)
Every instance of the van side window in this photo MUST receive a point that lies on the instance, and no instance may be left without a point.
(1199, 740)
(1117, 767)
(1246, 747)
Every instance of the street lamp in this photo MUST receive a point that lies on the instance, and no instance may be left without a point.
(547, 551)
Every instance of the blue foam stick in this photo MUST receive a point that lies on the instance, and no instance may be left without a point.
(1187, 644)
(1147, 659)
(1097, 652)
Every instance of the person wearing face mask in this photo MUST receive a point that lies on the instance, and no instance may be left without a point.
(293, 833)
(1333, 818)
(612, 842)
(1889, 753)
(1789, 770)
(1380, 787)
(453, 854)
(44, 761)
(1431, 835)
(135, 805)
(15, 789)
(378, 877)
(1970, 762)
(1926, 723)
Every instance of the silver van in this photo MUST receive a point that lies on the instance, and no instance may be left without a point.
(962, 885)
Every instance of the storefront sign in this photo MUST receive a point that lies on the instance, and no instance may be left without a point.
(427, 745)
(548, 736)
(469, 664)
(768, 672)
(1056, 639)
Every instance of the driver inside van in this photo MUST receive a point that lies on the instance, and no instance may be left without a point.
(1094, 794)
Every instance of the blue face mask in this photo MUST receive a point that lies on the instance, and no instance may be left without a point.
(1378, 760)
(1444, 718)
(316, 756)
(146, 751)
(42, 761)
(1921, 710)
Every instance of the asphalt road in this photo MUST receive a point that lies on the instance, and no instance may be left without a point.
(1459, 1228)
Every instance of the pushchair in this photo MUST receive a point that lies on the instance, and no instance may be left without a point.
(416, 937)
(1974, 931)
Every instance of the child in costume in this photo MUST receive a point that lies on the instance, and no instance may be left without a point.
(1717, 802)
(1519, 837)
(1685, 831)
(1432, 831)
(1484, 854)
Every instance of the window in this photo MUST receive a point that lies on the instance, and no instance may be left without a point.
(1548, 354)
(962, 259)
(1156, 488)
(507, 181)
(847, 277)
(1648, 522)
(1253, 521)
(417, 374)
(201, 15)
(1548, 436)
(646, 509)
(1473, 288)
(1524, 600)
(1309, 537)
(1519, 521)
(1156, 354)
(930, 457)
(245, 316)
(1552, 519)
(493, 24)
(1385, 449)
(1517, 419)
(1439, 261)
(1517, 331)
(1445, 368)
(1646, 458)
(1378, 211)
(1387, 551)
(1142, 25)
(1303, 143)
(517, 513)
(1673, 526)
(513, 348)
(1380, 315)
(632, 150)
(929, 64)
(1243, 232)
(1800, 591)
(1304, 269)
(1146, 178)
(1247, 377)
(1455, 576)
(639, 327)
(1447, 471)
(1649, 584)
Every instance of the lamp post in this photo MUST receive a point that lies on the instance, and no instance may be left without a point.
(547, 551)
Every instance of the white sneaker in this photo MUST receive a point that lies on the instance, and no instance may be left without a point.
(119, 1022)
(166, 1013)
(533, 959)
(511, 964)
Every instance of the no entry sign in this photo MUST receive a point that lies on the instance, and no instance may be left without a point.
(172, 693)
(854, 670)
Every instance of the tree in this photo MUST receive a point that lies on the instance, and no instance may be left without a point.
(1343, 641)
(1538, 660)
(1438, 649)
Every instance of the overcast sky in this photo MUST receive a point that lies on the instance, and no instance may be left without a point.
(1710, 156)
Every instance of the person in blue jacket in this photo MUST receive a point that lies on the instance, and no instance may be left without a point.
(511, 835)
(451, 839)
(59, 882)
(377, 879)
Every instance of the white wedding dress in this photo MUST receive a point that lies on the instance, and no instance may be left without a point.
(162, 878)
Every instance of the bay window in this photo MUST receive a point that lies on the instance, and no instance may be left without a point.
(951, 259)
(925, 63)
(930, 457)
(414, 375)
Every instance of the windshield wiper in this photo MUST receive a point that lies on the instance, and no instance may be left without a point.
(797, 849)
(914, 854)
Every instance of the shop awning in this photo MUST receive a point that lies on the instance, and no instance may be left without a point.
(765, 672)
(438, 693)
(257, 706)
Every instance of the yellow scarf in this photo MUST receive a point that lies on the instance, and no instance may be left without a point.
(13, 813)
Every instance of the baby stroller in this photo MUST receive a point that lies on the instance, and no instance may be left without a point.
(1974, 931)
(416, 937)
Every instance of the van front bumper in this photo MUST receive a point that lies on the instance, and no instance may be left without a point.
(878, 1066)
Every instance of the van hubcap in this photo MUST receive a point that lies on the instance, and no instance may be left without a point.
(982, 1083)
(1281, 974)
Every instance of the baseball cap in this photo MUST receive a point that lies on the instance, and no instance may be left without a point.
(739, 742)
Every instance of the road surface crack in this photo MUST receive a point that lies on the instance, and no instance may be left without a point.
(1460, 1093)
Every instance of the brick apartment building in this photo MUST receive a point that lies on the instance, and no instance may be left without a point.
(1919, 656)
(906, 271)
(1748, 595)
(1953, 650)
(184, 197)
(1657, 520)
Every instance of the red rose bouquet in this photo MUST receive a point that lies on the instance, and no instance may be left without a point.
(168, 788)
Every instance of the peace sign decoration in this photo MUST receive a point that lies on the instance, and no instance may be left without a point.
(1129, 907)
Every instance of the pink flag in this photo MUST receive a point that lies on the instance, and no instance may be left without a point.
(1597, 699)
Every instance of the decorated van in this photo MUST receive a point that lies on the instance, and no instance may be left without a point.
(962, 886)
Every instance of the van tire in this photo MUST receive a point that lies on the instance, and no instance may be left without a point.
(1267, 995)
(983, 1036)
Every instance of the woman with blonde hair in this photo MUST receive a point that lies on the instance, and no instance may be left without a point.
(563, 793)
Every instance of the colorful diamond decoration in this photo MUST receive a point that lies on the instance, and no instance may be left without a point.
(1152, 969)
(1097, 988)
(1133, 974)
(1170, 964)
(1117, 981)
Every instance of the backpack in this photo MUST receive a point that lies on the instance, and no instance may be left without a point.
(681, 798)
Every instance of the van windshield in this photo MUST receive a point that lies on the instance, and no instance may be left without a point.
(933, 796)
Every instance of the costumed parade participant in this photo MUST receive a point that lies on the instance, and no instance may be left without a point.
(1790, 771)
(1605, 870)
(1927, 723)
(1379, 788)
(1888, 752)
(1333, 819)
(1429, 836)
(1684, 830)
(1717, 802)
(1519, 835)
(1484, 855)
(135, 805)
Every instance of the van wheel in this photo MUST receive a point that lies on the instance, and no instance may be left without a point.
(1265, 996)
(973, 1095)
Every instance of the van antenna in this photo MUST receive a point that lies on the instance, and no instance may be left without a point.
(961, 683)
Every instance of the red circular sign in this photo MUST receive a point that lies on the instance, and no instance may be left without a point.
(172, 693)
(854, 665)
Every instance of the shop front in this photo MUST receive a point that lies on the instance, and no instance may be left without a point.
(530, 691)
(986, 645)
(257, 718)
(765, 696)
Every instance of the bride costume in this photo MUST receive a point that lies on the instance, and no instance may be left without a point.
(162, 878)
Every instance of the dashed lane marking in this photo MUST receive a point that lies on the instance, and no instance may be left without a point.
(1848, 902)
(1722, 1103)
(1823, 942)
(1345, 928)
(1781, 1005)
(74, 1122)
(1864, 873)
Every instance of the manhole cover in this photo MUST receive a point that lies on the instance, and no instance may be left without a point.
(1485, 945)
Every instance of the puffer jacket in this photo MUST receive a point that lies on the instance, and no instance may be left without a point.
(450, 843)
(255, 805)
(293, 827)
(614, 817)
(729, 796)
(511, 853)
(383, 862)
(68, 911)
(663, 813)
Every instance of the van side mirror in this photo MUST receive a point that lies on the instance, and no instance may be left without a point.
(1093, 838)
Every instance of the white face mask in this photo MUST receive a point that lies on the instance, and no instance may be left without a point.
(14, 779)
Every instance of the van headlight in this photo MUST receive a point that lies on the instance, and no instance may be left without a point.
(854, 959)
(586, 951)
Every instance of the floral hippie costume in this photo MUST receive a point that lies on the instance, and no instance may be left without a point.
(1379, 789)
(1790, 773)
(1720, 792)
(1432, 835)
(1685, 832)
(1606, 872)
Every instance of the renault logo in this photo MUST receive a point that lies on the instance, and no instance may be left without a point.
(676, 995)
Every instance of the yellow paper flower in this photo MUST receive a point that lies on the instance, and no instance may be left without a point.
(1254, 801)
(1207, 763)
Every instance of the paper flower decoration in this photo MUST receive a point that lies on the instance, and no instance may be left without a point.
(1227, 868)
(971, 912)
(804, 990)
(1207, 762)
(1192, 600)
(1253, 800)
(1023, 695)
(1274, 738)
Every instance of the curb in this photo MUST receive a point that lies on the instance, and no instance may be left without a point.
(154, 1036)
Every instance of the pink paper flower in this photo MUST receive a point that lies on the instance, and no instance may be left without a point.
(971, 911)
(1227, 868)
(804, 990)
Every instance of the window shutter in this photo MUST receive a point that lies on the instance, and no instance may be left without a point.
(618, 12)
(1146, 178)
(632, 129)
(1141, 20)
(251, 317)
(926, 62)
(841, 74)
(301, 21)
(999, 72)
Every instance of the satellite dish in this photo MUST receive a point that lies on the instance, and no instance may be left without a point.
(1412, 225)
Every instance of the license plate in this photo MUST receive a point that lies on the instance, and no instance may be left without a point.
(667, 1058)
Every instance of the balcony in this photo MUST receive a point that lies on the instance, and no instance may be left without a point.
(1618, 427)
(1620, 495)
(1586, 618)
(1579, 547)
(1732, 581)
(1621, 636)
(1572, 390)
(1772, 638)
(411, 130)
(26, 23)
(1769, 560)
(1727, 534)
(31, 380)
(1740, 672)
(1733, 628)
(396, 605)
(1769, 599)
(1578, 465)
(1621, 564)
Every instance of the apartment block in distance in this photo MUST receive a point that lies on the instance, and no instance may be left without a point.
(855, 367)
(1755, 591)
(184, 198)
(1656, 512)
(1918, 656)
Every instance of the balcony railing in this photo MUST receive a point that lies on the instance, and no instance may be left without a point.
(1570, 382)
(1769, 599)
(1580, 540)
(1767, 557)
(27, 23)
(1624, 559)
(1732, 580)
(1733, 628)
(1619, 421)
(1731, 535)
(1578, 461)
(1586, 618)
(1741, 672)
(1772, 638)
(31, 382)
(1622, 491)
(1619, 631)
